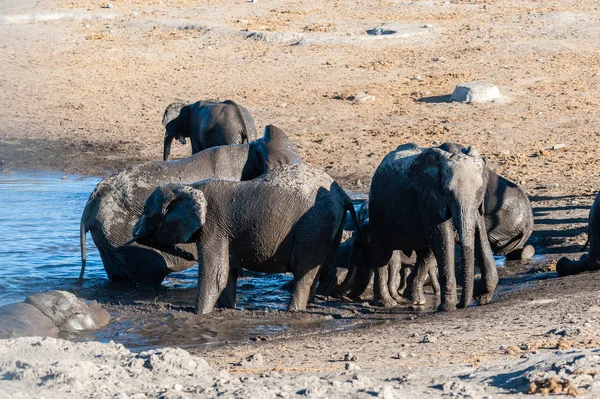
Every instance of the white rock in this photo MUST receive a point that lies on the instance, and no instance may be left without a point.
(363, 98)
(558, 146)
(475, 92)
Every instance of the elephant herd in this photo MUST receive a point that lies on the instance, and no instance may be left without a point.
(240, 201)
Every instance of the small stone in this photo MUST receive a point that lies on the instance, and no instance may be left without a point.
(328, 62)
(255, 359)
(427, 26)
(387, 392)
(283, 105)
(558, 146)
(363, 98)
(512, 350)
(108, 5)
(242, 21)
(64, 177)
(350, 357)
(428, 339)
(440, 59)
(542, 152)
(351, 366)
(475, 92)
(551, 186)
(178, 387)
(417, 78)
(401, 355)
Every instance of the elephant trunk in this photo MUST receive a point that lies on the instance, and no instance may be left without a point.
(465, 223)
(567, 267)
(167, 146)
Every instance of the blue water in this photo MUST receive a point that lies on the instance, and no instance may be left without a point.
(39, 233)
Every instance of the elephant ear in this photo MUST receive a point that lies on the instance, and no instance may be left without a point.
(434, 165)
(280, 149)
(184, 216)
(171, 112)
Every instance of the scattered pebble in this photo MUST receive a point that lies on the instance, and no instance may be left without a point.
(350, 357)
(401, 355)
(427, 26)
(351, 366)
(440, 59)
(558, 146)
(428, 339)
(253, 360)
(108, 5)
(417, 78)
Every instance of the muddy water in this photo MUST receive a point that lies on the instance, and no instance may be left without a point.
(39, 251)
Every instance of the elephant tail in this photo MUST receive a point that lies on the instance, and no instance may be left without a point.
(350, 208)
(82, 232)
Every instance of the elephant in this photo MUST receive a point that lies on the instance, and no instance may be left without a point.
(508, 214)
(508, 220)
(207, 124)
(48, 313)
(288, 220)
(591, 260)
(418, 198)
(117, 202)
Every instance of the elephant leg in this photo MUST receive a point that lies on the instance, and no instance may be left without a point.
(424, 262)
(380, 262)
(227, 299)
(442, 244)
(303, 289)
(394, 268)
(213, 274)
(524, 253)
(484, 290)
(405, 275)
(433, 277)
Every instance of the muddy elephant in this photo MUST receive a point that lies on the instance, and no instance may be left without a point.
(207, 124)
(419, 198)
(48, 313)
(288, 220)
(508, 214)
(591, 260)
(117, 202)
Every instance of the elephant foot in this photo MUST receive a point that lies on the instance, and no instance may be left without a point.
(446, 307)
(397, 297)
(484, 299)
(386, 302)
(524, 253)
(418, 298)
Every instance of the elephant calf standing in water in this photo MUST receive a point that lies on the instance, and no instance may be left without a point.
(591, 260)
(117, 202)
(289, 220)
(207, 124)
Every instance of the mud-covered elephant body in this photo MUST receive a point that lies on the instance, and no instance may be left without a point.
(419, 197)
(591, 260)
(48, 313)
(288, 220)
(117, 203)
(207, 124)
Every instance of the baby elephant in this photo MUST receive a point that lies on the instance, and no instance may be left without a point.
(591, 260)
(47, 313)
(287, 220)
(207, 124)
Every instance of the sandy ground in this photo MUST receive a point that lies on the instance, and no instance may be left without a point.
(84, 88)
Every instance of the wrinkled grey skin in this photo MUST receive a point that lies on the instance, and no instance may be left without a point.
(508, 214)
(48, 313)
(207, 124)
(117, 203)
(509, 223)
(591, 260)
(419, 197)
(288, 220)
